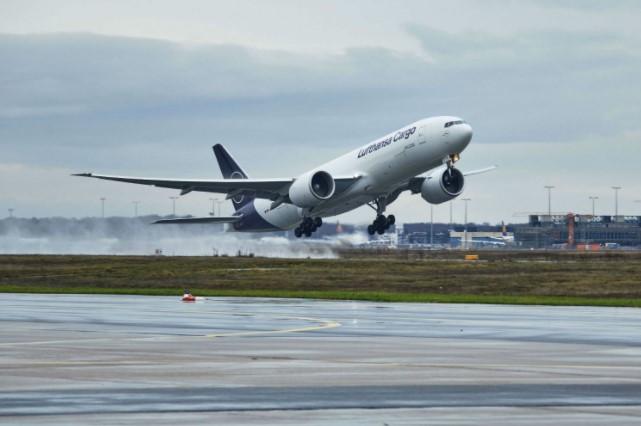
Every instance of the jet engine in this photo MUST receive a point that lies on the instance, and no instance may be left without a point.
(442, 185)
(312, 188)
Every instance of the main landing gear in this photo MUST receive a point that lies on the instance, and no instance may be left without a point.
(381, 223)
(308, 226)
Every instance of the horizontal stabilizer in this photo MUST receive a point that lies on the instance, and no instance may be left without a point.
(208, 219)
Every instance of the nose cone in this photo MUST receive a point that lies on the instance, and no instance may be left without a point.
(464, 135)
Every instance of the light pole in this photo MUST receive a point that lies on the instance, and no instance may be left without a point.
(102, 201)
(616, 201)
(11, 212)
(213, 206)
(215, 202)
(465, 220)
(431, 226)
(587, 232)
(593, 200)
(637, 201)
(173, 205)
(451, 203)
(549, 188)
(135, 203)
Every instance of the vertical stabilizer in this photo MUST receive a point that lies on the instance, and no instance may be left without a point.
(231, 170)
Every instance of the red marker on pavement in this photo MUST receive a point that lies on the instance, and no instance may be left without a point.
(188, 297)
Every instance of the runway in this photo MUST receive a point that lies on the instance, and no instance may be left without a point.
(70, 359)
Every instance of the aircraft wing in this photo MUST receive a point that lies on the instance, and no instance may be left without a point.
(270, 189)
(414, 184)
(261, 188)
(207, 219)
(479, 171)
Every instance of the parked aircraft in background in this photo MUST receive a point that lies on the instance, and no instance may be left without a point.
(374, 175)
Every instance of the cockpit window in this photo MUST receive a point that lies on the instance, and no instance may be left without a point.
(454, 123)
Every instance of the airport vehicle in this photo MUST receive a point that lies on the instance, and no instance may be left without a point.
(374, 175)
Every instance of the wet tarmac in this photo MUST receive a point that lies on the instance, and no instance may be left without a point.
(69, 359)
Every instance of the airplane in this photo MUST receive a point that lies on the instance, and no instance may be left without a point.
(374, 175)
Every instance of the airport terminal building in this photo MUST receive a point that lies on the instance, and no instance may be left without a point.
(581, 232)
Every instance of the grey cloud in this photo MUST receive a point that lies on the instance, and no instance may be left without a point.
(116, 103)
(595, 5)
(568, 49)
(101, 72)
(93, 93)
(543, 86)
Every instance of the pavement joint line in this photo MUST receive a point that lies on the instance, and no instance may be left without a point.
(498, 367)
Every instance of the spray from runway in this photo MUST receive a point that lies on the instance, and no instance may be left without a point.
(129, 236)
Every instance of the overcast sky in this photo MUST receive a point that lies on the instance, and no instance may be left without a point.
(145, 88)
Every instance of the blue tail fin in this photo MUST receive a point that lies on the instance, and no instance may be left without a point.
(231, 170)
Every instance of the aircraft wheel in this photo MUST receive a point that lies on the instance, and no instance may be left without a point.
(308, 233)
(391, 220)
(298, 232)
(318, 222)
(371, 230)
(380, 230)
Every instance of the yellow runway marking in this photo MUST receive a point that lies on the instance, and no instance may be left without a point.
(323, 324)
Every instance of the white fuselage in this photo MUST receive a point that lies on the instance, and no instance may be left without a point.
(383, 165)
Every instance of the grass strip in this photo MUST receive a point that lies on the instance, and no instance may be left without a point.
(344, 295)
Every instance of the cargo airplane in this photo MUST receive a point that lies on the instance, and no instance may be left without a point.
(373, 175)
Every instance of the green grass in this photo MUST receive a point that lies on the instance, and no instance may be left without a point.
(543, 278)
(338, 295)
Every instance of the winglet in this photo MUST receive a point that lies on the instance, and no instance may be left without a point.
(82, 174)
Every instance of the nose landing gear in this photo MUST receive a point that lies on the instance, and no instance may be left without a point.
(308, 226)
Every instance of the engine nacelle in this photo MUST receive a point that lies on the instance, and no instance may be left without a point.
(442, 185)
(312, 188)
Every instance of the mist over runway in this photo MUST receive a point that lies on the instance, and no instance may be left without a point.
(137, 236)
(75, 359)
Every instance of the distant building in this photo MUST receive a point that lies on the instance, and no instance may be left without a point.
(543, 231)
(498, 239)
(419, 234)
